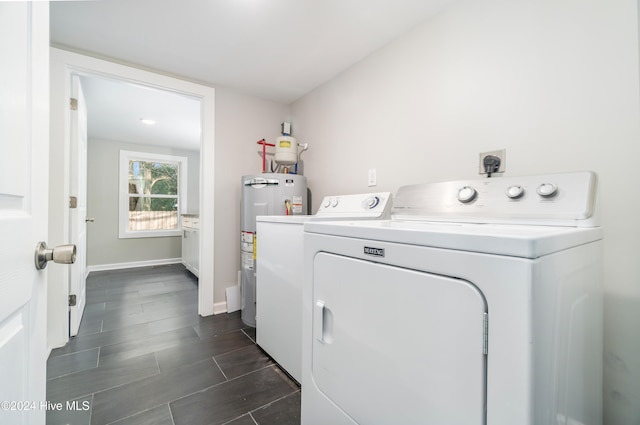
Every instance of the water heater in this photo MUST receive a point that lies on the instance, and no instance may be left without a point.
(264, 194)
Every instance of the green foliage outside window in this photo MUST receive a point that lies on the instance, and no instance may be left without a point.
(156, 182)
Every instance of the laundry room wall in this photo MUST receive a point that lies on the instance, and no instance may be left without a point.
(241, 121)
(104, 248)
(555, 83)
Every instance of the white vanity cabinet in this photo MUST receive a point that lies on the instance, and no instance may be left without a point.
(190, 242)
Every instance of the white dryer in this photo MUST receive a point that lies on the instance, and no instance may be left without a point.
(279, 272)
(479, 302)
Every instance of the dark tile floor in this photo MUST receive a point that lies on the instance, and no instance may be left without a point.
(144, 356)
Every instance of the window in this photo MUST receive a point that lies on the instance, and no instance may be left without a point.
(152, 194)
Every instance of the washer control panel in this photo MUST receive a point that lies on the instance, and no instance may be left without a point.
(373, 205)
(558, 197)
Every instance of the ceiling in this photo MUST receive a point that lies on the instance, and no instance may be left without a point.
(273, 49)
(115, 110)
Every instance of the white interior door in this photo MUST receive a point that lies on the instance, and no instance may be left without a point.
(78, 213)
(24, 147)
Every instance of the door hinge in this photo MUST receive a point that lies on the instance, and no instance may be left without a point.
(72, 300)
(485, 331)
(73, 202)
(73, 104)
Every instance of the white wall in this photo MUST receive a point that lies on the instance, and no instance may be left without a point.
(240, 122)
(104, 247)
(555, 83)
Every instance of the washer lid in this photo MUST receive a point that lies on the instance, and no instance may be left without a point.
(500, 239)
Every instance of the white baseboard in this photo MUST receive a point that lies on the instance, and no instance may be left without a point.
(134, 264)
(220, 307)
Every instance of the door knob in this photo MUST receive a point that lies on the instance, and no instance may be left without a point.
(89, 220)
(63, 254)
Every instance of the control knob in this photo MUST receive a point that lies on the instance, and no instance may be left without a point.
(515, 192)
(547, 190)
(467, 194)
(371, 202)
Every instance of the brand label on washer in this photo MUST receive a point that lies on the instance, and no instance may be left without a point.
(376, 252)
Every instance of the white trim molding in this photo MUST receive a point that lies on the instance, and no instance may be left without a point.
(133, 264)
(220, 307)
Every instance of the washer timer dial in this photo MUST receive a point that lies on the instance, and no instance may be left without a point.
(371, 202)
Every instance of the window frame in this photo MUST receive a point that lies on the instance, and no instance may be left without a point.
(123, 191)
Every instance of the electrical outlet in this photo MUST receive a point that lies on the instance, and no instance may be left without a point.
(502, 154)
(372, 180)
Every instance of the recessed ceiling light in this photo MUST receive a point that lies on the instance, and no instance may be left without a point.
(147, 121)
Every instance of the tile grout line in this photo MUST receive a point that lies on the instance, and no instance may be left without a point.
(143, 411)
(248, 336)
(76, 371)
(115, 386)
(91, 411)
(73, 352)
(274, 401)
(253, 419)
(221, 383)
(230, 421)
(171, 413)
(219, 368)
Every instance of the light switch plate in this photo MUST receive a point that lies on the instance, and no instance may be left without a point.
(372, 181)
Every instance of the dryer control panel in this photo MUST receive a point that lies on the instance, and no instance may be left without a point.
(565, 199)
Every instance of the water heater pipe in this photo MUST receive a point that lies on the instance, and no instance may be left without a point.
(264, 153)
(304, 147)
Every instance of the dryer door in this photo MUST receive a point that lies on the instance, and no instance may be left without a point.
(393, 345)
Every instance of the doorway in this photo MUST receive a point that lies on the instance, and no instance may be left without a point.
(117, 121)
(130, 221)
(97, 75)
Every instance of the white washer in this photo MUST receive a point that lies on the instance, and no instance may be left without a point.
(478, 303)
(279, 272)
